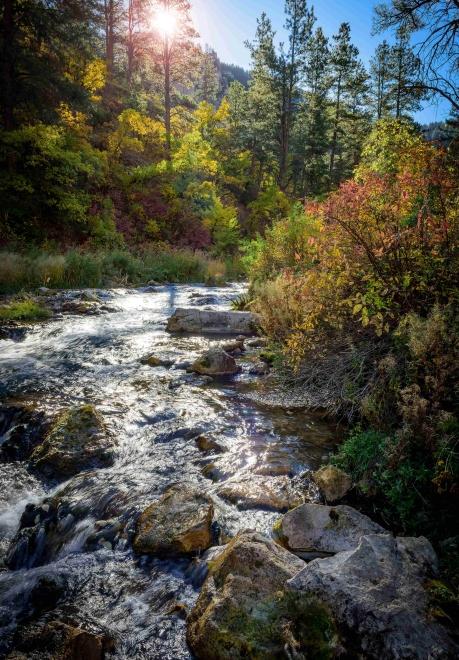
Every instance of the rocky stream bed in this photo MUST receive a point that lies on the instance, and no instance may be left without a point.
(152, 506)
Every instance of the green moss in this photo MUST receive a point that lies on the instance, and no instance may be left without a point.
(263, 630)
(24, 310)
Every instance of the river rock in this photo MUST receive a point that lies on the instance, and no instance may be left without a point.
(22, 428)
(215, 362)
(324, 529)
(180, 522)
(236, 346)
(200, 321)
(57, 641)
(376, 592)
(333, 483)
(242, 611)
(155, 361)
(77, 440)
(207, 442)
(254, 491)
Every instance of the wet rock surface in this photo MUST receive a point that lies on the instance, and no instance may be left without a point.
(215, 362)
(278, 493)
(180, 522)
(77, 440)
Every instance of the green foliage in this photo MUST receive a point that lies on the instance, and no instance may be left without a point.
(270, 206)
(45, 176)
(23, 310)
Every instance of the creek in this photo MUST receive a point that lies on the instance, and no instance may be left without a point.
(154, 414)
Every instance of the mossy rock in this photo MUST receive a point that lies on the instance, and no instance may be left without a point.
(77, 440)
(244, 612)
(179, 523)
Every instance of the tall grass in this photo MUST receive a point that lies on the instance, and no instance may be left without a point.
(78, 269)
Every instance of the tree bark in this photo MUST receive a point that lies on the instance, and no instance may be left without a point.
(167, 95)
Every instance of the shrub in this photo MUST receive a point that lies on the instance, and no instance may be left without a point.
(23, 310)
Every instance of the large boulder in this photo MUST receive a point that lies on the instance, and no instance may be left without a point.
(179, 523)
(255, 491)
(78, 440)
(243, 612)
(377, 594)
(324, 529)
(213, 322)
(215, 362)
(332, 482)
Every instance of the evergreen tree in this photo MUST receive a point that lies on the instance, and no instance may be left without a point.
(381, 78)
(208, 83)
(406, 91)
(311, 135)
(291, 68)
(174, 49)
(349, 83)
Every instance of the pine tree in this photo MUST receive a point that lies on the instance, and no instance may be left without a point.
(208, 83)
(311, 135)
(173, 50)
(406, 91)
(291, 64)
(381, 78)
(349, 83)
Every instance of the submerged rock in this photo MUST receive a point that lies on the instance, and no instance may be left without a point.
(180, 522)
(334, 484)
(377, 595)
(77, 440)
(206, 443)
(58, 641)
(155, 361)
(22, 428)
(215, 362)
(254, 491)
(200, 321)
(243, 612)
(324, 529)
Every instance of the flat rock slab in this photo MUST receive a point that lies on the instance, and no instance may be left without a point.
(212, 322)
(327, 529)
(255, 491)
(378, 597)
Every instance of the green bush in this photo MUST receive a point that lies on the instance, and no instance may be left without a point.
(23, 310)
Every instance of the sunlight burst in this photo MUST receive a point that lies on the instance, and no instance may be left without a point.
(165, 21)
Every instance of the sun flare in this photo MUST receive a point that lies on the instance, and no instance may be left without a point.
(165, 21)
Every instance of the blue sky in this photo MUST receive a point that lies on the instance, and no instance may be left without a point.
(227, 24)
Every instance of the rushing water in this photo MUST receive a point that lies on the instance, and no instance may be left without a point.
(154, 413)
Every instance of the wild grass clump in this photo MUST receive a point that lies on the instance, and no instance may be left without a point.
(79, 269)
(23, 310)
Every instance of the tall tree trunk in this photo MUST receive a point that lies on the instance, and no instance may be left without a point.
(167, 95)
(399, 84)
(109, 11)
(130, 41)
(8, 64)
